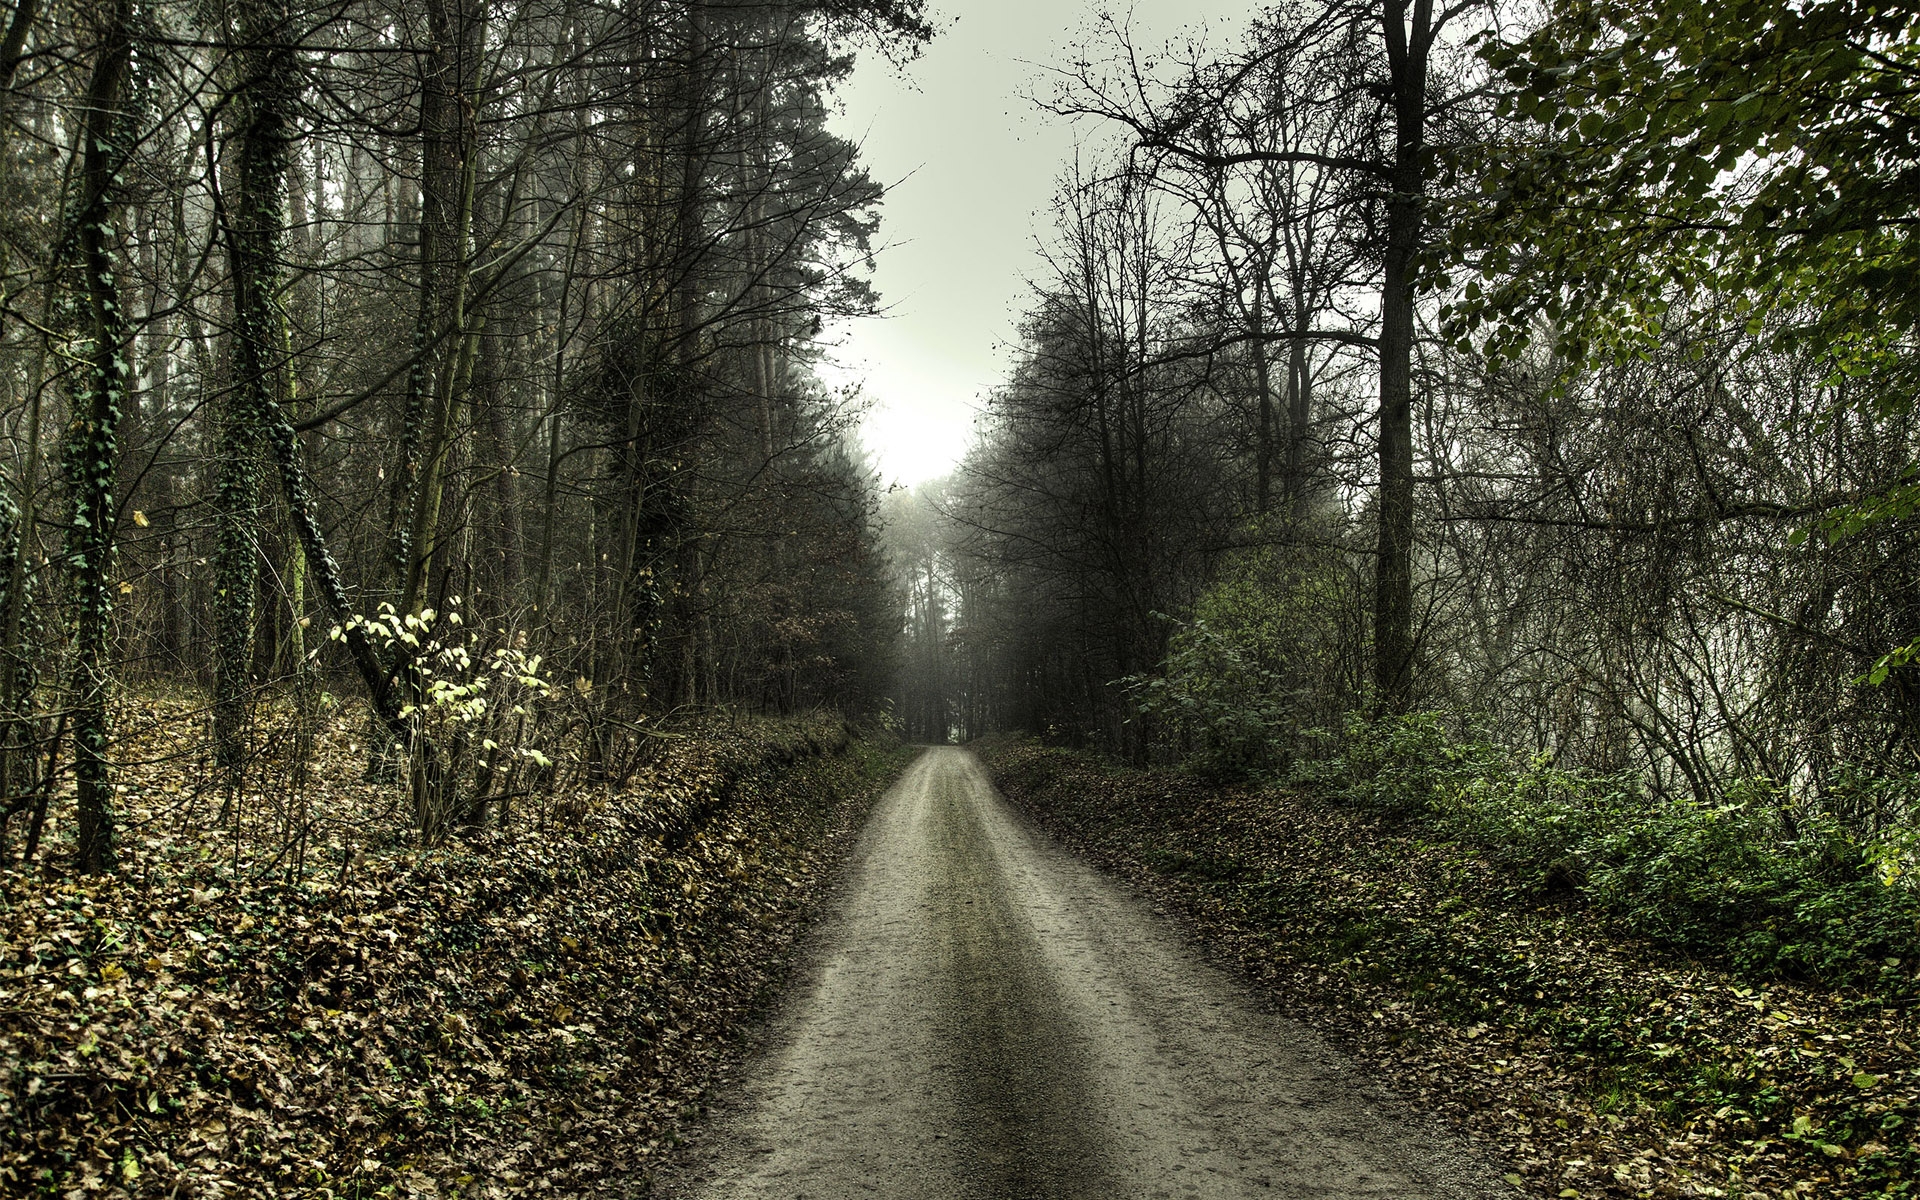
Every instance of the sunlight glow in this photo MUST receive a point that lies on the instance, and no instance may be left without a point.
(970, 164)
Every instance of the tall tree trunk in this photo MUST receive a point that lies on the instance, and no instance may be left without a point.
(504, 537)
(655, 510)
(16, 668)
(93, 445)
(1263, 388)
(17, 678)
(442, 337)
(13, 43)
(562, 315)
(1299, 404)
(264, 95)
(1407, 46)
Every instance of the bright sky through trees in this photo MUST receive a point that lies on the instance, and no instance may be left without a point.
(970, 164)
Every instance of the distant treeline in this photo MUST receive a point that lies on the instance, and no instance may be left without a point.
(1554, 376)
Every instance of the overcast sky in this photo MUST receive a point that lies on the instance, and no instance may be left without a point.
(970, 165)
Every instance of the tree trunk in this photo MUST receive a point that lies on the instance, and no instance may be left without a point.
(1299, 392)
(442, 337)
(93, 446)
(264, 96)
(663, 421)
(1393, 579)
(1263, 388)
(13, 43)
(504, 536)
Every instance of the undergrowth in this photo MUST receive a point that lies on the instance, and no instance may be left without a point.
(530, 1010)
(1767, 886)
(1535, 955)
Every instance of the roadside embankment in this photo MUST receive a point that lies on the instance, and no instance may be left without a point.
(1595, 1064)
(532, 1012)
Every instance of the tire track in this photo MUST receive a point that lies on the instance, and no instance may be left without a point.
(988, 1018)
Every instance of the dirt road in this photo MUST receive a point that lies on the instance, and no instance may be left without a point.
(988, 1018)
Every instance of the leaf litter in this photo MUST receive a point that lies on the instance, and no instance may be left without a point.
(1593, 1065)
(517, 1013)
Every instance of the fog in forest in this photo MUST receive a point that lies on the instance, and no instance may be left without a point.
(540, 540)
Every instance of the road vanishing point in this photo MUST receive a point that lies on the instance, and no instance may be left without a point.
(986, 1017)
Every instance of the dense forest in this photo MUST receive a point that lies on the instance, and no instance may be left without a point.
(457, 356)
(1446, 527)
(1550, 381)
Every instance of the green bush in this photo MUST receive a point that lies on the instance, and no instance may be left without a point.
(1255, 664)
(1229, 713)
(1538, 815)
(1739, 881)
(1769, 887)
(1409, 764)
(1396, 765)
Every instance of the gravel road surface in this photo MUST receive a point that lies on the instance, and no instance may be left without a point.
(986, 1017)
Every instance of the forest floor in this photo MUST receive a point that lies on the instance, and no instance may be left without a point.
(984, 1016)
(534, 1011)
(1591, 1064)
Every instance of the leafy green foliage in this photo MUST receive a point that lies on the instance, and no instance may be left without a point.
(1772, 889)
(1219, 701)
(1758, 161)
(1398, 765)
(1727, 882)
(1260, 662)
(1765, 150)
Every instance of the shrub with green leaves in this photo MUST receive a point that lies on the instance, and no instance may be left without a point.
(1260, 661)
(1218, 701)
(1402, 765)
(1768, 885)
(1771, 893)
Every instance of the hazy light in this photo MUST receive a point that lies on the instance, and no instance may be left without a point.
(970, 164)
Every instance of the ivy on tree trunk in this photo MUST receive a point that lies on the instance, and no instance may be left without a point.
(98, 396)
(265, 89)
